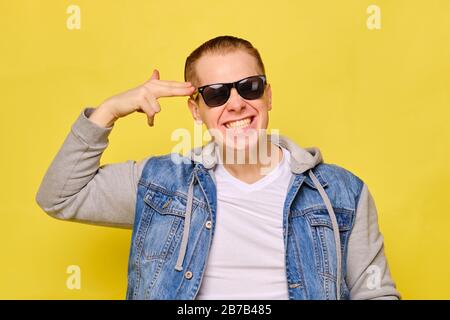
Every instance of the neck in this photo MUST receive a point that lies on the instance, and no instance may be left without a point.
(251, 164)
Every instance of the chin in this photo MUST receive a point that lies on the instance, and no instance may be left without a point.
(239, 140)
(240, 143)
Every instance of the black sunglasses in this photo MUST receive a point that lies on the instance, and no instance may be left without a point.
(217, 94)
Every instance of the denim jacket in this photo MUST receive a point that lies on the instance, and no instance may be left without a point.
(176, 213)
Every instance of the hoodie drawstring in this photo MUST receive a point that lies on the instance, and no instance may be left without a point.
(337, 239)
(187, 225)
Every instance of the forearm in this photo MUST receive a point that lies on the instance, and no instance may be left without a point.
(368, 274)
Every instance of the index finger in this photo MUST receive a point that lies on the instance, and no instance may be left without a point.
(168, 83)
(171, 91)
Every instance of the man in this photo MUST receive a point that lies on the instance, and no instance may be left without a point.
(216, 223)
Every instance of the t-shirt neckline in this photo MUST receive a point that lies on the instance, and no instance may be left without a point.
(261, 183)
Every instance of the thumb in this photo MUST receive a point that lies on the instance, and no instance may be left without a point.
(155, 75)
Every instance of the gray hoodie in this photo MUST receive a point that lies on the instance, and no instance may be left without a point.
(76, 188)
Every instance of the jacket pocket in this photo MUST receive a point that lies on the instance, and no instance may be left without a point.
(319, 217)
(162, 223)
(323, 237)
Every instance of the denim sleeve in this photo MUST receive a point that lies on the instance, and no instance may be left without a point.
(75, 186)
(368, 274)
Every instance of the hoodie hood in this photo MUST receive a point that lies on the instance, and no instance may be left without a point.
(302, 159)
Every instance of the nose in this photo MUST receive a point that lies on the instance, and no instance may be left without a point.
(235, 102)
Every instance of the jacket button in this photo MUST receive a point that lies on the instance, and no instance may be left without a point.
(188, 275)
(208, 224)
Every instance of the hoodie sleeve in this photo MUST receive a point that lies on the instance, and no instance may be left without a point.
(75, 186)
(368, 275)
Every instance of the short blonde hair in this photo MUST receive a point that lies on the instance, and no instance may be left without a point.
(221, 44)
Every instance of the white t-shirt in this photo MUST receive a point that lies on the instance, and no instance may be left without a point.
(247, 256)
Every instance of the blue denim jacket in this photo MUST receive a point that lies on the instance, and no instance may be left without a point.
(176, 213)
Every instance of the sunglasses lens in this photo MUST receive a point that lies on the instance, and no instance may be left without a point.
(251, 88)
(216, 95)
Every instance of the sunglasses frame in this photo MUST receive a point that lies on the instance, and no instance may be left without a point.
(229, 85)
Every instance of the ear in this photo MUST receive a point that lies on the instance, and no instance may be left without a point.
(269, 97)
(193, 107)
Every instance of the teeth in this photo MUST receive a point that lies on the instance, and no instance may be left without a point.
(238, 124)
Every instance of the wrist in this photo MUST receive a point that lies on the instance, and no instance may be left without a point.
(103, 117)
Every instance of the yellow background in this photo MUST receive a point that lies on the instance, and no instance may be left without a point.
(375, 101)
